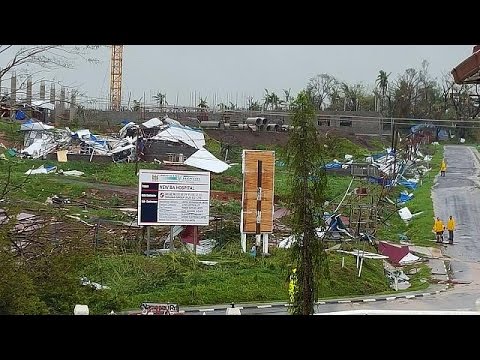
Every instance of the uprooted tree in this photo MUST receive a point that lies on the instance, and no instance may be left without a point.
(307, 180)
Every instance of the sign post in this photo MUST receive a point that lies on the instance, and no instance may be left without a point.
(173, 198)
(258, 169)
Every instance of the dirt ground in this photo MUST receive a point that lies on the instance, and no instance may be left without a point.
(247, 139)
(3, 140)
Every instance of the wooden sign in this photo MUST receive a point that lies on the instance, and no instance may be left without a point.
(258, 169)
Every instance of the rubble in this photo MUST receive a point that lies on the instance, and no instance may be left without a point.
(129, 145)
(41, 170)
(96, 286)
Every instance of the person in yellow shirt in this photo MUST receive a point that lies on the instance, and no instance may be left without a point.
(292, 286)
(450, 228)
(443, 168)
(438, 228)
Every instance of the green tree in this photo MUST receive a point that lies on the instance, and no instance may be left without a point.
(382, 84)
(253, 105)
(320, 88)
(307, 182)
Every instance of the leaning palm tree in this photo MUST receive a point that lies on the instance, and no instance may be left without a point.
(266, 99)
(382, 83)
(161, 99)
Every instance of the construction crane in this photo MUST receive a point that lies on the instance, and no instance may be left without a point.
(116, 77)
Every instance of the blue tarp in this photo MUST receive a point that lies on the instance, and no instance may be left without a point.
(420, 127)
(408, 184)
(333, 165)
(381, 181)
(442, 134)
(125, 122)
(377, 156)
(20, 115)
(404, 197)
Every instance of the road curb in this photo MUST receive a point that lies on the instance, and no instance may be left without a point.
(326, 302)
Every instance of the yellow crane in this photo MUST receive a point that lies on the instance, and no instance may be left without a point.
(116, 77)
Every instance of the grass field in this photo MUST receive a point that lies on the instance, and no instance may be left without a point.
(237, 277)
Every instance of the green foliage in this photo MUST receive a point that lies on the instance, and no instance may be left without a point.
(307, 182)
(339, 147)
(12, 131)
(18, 295)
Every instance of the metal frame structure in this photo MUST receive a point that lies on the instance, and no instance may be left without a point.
(116, 77)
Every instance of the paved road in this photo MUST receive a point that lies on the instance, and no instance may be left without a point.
(457, 194)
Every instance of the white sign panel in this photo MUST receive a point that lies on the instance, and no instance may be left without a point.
(173, 197)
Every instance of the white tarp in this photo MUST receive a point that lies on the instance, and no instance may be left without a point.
(408, 259)
(287, 242)
(204, 247)
(41, 170)
(73, 173)
(123, 130)
(35, 126)
(405, 213)
(84, 133)
(188, 136)
(39, 148)
(152, 123)
(44, 104)
(205, 160)
(170, 121)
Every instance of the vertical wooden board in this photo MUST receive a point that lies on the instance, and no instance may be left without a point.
(250, 184)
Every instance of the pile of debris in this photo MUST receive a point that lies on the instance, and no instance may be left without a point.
(162, 141)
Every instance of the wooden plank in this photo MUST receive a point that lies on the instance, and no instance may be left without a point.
(250, 184)
(267, 195)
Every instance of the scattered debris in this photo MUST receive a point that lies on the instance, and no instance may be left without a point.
(204, 247)
(85, 282)
(209, 263)
(204, 160)
(397, 254)
(41, 170)
(405, 214)
(72, 173)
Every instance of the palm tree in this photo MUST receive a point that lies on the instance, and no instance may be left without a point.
(287, 97)
(266, 99)
(274, 101)
(136, 105)
(161, 99)
(203, 104)
(382, 83)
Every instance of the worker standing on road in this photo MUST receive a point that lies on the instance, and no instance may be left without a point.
(438, 228)
(443, 168)
(450, 228)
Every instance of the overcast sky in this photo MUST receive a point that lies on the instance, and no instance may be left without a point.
(233, 72)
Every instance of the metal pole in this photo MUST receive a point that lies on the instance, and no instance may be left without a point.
(361, 263)
(148, 240)
(171, 239)
(195, 239)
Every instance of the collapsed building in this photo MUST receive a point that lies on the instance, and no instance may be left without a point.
(164, 141)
